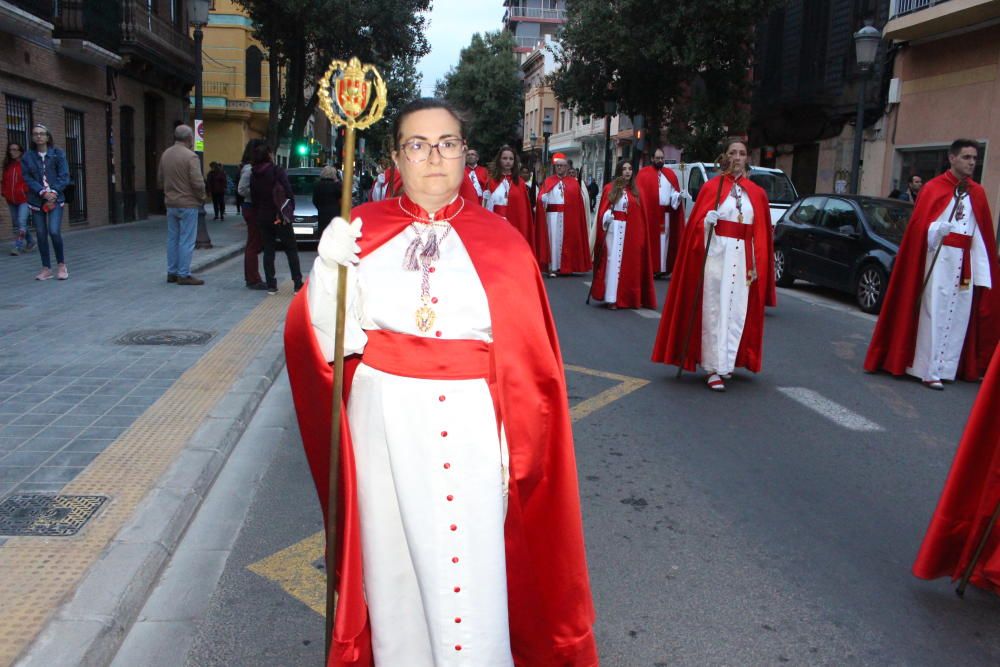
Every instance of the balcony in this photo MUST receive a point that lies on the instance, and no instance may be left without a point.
(26, 18)
(535, 14)
(157, 41)
(527, 43)
(93, 36)
(921, 19)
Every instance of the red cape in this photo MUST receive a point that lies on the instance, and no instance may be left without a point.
(395, 181)
(683, 294)
(894, 341)
(648, 182)
(969, 498)
(635, 279)
(467, 190)
(549, 600)
(576, 237)
(518, 208)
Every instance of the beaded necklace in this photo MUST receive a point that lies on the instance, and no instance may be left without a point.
(421, 255)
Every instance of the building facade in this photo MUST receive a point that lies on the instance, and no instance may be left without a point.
(531, 22)
(946, 78)
(109, 78)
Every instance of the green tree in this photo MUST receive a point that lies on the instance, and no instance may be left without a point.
(303, 36)
(685, 67)
(485, 85)
(403, 82)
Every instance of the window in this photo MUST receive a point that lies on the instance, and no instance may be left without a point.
(254, 57)
(886, 219)
(695, 181)
(76, 198)
(808, 212)
(18, 119)
(840, 217)
(930, 162)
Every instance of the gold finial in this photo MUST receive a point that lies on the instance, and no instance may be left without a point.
(352, 94)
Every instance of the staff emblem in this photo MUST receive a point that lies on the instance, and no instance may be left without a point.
(352, 94)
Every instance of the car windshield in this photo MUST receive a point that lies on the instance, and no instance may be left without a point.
(777, 186)
(887, 219)
(303, 184)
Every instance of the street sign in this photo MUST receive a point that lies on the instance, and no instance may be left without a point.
(199, 136)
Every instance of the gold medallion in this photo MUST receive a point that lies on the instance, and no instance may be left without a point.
(425, 318)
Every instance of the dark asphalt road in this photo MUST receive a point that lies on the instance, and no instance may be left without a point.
(735, 529)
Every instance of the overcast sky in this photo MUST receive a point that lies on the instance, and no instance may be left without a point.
(452, 24)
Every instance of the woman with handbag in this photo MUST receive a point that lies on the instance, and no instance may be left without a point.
(47, 175)
(273, 207)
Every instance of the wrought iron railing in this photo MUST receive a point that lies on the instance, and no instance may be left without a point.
(901, 7)
(220, 89)
(528, 42)
(40, 8)
(536, 13)
(100, 23)
(140, 28)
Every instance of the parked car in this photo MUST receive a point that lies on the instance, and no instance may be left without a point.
(846, 242)
(779, 188)
(305, 223)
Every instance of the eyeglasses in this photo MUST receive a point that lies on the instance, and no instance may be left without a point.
(418, 151)
(15, 150)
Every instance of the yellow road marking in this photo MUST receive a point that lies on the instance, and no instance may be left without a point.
(292, 567)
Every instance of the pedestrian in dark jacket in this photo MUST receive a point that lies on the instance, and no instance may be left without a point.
(46, 172)
(251, 265)
(326, 197)
(217, 188)
(269, 189)
(15, 191)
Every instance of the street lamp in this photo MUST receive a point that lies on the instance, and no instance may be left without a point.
(534, 155)
(199, 18)
(610, 107)
(546, 133)
(866, 43)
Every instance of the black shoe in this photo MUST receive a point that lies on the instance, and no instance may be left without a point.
(171, 277)
(272, 289)
(298, 286)
(189, 280)
(257, 286)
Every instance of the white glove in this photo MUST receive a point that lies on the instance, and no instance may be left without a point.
(338, 245)
(943, 229)
(675, 199)
(606, 220)
(686, 195)
(711, 218)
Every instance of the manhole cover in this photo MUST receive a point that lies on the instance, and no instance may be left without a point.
(165, 337)
(40, 515)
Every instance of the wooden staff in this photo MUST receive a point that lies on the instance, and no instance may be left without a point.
(960, 591)
(359, 94)
(959, 191)
(701, 284)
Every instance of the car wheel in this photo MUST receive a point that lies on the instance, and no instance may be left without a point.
(870, 289)
(782, 276)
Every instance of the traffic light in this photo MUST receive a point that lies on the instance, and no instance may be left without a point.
(302, 149)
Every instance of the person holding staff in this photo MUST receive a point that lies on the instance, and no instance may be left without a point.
(714, 315)
(459, 518)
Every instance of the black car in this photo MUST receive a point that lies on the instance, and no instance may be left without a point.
(846, 242)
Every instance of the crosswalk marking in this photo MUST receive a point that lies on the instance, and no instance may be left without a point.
(832, 410)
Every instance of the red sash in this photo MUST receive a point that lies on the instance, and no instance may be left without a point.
(500, 210)
(964, 243)
(620, 215)
(555, 208)
(737, 230)
(426, 358)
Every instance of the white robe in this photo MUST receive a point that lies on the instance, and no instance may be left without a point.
(554, 225)
(725, 294)
(380, 188)
(499, 197)
(945, 307)
(669, 197)
(614, 246)
(430, 588)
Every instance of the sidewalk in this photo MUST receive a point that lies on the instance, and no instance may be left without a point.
(130, 436)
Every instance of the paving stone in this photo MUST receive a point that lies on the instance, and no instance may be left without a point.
(82, 445)
(14, 474)
(40, 444)
(65, 458)
(34, 419)
(26, 459)
(49, 475)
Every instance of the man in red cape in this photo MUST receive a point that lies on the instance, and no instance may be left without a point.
(635, 287)
(387, 185)
(661, 196)
(477, 176)
(562, 240)
(969, 498)
(550, 610)
(683, 299)
(893, 344)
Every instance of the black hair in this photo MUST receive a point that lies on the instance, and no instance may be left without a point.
(515, 172)
(249, 149)
(621, 184)
(7, 160)
(261, 153)
(423, 104)
(959, 144)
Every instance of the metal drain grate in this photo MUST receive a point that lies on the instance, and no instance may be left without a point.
(165, 337)
(41, 515)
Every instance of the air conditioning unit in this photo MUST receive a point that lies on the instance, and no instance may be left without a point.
(895, 94)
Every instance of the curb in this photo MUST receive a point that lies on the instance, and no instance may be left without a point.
(216, 255)
(89, 628)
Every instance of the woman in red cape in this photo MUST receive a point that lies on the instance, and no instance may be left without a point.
(630, 272)
(547, 594)
(681, 321)
(507, 195)
(969, 498)
(895, 338)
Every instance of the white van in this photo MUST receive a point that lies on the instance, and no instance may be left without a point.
(780, 191)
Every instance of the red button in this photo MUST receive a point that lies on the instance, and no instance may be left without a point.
(458, 589)
(454, 559)
(441, 397)
(450, 497)
(434, 299)
(458, 620)
(447, 465)
(444, 434)
(453, 527)
(430, 270)
(437, 333)
(458, 647)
